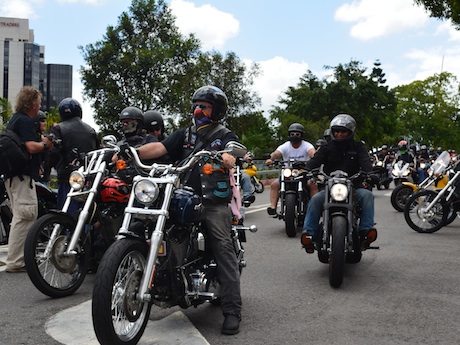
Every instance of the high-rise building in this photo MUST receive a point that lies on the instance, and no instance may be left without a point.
(23, 63)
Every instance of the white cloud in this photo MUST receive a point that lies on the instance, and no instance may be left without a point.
(372, 20)
(447, 27)
(211, 26)
(277, 74)
(18, 8)
(89, 2)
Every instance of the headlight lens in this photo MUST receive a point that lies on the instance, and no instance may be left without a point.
(76, 180)
(146, 191)
(287, 172)
(406, 173)
(339, 192)
(379, 163)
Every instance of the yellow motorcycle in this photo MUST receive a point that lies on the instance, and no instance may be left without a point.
(251, 170)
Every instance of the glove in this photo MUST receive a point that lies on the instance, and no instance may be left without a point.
(125, 152)
(299, 165)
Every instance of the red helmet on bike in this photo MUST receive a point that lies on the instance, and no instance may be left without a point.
(114, 190)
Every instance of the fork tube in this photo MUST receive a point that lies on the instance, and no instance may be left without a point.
(82, 218)
(442, 192)
(155, 242)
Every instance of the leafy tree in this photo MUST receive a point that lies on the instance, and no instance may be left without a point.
(145, 62)
(6, 111)
(350, 90)
(429, 110)
(443, 9)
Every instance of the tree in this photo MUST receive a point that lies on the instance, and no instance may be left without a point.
(443, 9)
(429, 110)
(6, 111)
(348, 89)
(145, 62)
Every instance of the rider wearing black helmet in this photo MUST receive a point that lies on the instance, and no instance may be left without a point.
(295, 149)
(341, 153)
(76, 137)
(154, 124)
(209, 106)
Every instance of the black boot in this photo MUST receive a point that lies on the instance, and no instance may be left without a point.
(231, 324)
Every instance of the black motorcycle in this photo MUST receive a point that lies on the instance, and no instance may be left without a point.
(380, 168)
(338, 238)
(161, 256)
(47, 200)
(294, 195)
(60, 249)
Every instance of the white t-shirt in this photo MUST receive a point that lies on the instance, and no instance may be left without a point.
(298, 154)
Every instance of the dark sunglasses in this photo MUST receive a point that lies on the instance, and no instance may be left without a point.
(201, 106)
(156, 128)
(42, 120)
(295, 134)
(340, 131)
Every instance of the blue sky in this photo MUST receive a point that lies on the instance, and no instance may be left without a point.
(286, 38)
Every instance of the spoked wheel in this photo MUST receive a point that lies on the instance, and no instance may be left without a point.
(290, 214)
(421, 220)
(454, 208)
(118, 316)
(399, 197)
(52, 271)
(337, 257)
(258, 186)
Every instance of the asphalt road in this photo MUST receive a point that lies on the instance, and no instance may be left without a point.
(405, 293)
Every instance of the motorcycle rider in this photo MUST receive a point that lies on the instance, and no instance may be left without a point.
(341, 153)
(294, 149)
(154, 124)
(209, 106)
(423, 156)
(132, 124)
(76, 138)
(407, 156)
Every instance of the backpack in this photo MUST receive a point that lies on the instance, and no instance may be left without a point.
(14, 156)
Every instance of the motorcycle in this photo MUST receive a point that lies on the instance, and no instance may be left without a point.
(251, 170)
(436, 178)
(47, 200)
(381, 169)
(401, 172)
(161, 256)
(59, 248)
(294, 195)
(338, 238)
(427, 211)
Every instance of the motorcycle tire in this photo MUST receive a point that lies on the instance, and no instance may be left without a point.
(421, 221)
(399, 197)
(337, 256)
(118, 317)
(258, 187)
(55, 275)
(290, 216)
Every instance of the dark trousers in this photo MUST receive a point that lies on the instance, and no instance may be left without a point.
(218, 224)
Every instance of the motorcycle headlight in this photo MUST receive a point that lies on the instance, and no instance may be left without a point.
(76, 180)
(406, 173)
(295, 172)
(339, 192)
(146, 191)
(287, 173)
(379, 163)
(394, 173)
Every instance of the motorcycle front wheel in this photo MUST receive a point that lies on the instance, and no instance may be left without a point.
(290, 208)
(399, 197)
(258, 186)
(454, 208)
(337, 257)
(51, 271)
(419, 219)
(118, 317)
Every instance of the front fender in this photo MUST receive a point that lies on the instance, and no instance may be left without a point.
(412, 185)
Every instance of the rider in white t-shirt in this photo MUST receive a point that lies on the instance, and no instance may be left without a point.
(297, 149)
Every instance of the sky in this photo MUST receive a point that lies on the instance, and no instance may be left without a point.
(286, 38)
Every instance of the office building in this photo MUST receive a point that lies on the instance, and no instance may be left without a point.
(23, 63)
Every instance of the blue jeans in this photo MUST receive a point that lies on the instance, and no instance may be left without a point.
(315, 210)
(246, 184)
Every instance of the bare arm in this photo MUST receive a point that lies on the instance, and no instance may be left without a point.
(274, 155)
(38, 146)
(151, 150)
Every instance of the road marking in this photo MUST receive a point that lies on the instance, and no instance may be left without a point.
(74, 326)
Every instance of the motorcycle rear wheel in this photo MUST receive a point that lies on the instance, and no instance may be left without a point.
(399, 197)
(337, 257)
(290, 210)
(55, 275)
(454, 208)
(425, 222)
(118, 317)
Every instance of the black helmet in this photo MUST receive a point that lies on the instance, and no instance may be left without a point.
(132, 113)
(216, 97)
(40, 116)
(296, 127)
(343, 122)
(69, 108)
(327, 134)
(321, 142)
(153, 120)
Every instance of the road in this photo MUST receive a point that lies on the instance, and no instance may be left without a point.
(405, 293)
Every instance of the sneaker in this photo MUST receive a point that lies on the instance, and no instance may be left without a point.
(272, 212)
(307, 243)
(367, 237)
(231, 324)
(16, 270)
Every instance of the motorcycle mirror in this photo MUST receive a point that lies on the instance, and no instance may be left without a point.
(236, 149)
